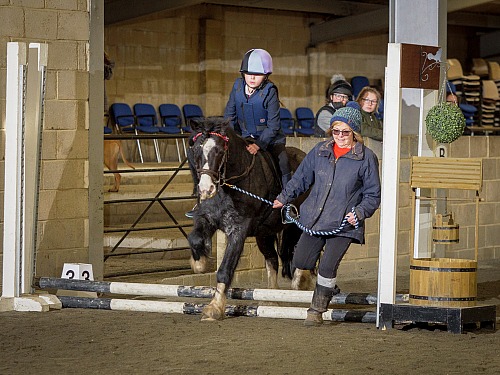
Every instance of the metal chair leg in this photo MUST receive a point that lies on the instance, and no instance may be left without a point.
(178, 150)
(157, 150)
(139, 148)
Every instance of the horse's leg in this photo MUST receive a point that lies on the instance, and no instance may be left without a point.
(266, 247)
(236, 235)
(200, 241)
(302, 279)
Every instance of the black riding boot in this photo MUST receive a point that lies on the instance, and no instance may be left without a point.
(319, 304)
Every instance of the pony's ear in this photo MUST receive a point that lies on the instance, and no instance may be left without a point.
(197, 124)
(224, 125)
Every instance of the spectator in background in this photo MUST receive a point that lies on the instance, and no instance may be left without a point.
(108, 73)
(369, 100)
(451, 93)
(339, 93)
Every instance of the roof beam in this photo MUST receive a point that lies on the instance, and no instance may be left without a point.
(489, 45)
(474, 20)
(123, 10)
(348, 27)
(330, 7)
(454, 5)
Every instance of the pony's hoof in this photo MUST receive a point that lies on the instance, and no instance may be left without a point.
(199, 266)
(211, 314)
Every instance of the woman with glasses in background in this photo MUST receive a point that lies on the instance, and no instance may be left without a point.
(369, 100)
(343, 177)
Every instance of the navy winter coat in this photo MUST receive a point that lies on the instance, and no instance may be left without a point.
(257, 116)
(336, 187)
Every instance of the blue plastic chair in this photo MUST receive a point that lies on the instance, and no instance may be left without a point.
(287, 122)
(171, 123)
(305, 121)
(190, 111)
(380, 113)
(357, 83)
(125, 122)
(146, 122)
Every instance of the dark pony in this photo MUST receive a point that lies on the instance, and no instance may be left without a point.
(221, 159)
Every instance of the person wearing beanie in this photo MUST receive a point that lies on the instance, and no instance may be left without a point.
(342, 175)
(339, 92)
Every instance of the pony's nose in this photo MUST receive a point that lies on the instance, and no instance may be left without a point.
(206, 187)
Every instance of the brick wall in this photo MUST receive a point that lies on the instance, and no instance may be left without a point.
(64, 26)
(193, 55)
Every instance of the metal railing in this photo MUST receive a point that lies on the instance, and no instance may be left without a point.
(134, 227)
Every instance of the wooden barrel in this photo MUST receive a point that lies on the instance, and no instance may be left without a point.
(445, 233)
(443, 282)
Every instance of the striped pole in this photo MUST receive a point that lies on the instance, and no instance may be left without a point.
(298, 313)
(163, 290)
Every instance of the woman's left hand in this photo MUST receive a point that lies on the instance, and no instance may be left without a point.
(351, 219)
(253, 148)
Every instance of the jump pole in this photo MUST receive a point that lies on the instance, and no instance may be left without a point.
(163, 290)
(275, 312)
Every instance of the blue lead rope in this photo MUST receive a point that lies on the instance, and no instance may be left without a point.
(288, 218)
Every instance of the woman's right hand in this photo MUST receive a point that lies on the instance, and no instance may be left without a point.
(277, 204)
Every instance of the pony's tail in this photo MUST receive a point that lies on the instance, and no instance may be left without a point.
(289, 238)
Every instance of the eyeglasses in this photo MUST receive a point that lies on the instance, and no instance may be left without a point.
(345, 133)
(373, 102)
(340, 96)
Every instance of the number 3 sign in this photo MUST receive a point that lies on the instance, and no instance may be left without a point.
(77, 271)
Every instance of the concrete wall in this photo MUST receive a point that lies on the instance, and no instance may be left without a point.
(63, 210)
(193, 55)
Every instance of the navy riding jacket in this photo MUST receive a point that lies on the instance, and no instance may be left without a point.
(256, 116)
(336, 187)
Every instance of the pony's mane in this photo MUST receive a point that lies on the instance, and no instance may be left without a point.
(221, 126)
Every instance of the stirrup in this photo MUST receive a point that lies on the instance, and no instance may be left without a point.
(190, 214)
(291, 211)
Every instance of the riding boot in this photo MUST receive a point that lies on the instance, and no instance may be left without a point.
(321, 298)
(190, 213)
(285, 178)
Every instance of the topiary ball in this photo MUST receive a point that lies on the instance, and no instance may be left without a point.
(445, 122)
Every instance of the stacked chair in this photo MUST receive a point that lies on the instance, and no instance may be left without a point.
(468, 90)
(480, 68)
(490, 104)
(470, 114)
(494, 75)
(468, 87)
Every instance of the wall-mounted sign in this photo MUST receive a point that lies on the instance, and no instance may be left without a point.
(420, 66)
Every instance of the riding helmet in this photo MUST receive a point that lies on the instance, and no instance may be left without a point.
(257, 61)
(340, 87)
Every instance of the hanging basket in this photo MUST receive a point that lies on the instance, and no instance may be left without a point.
(445, 122)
